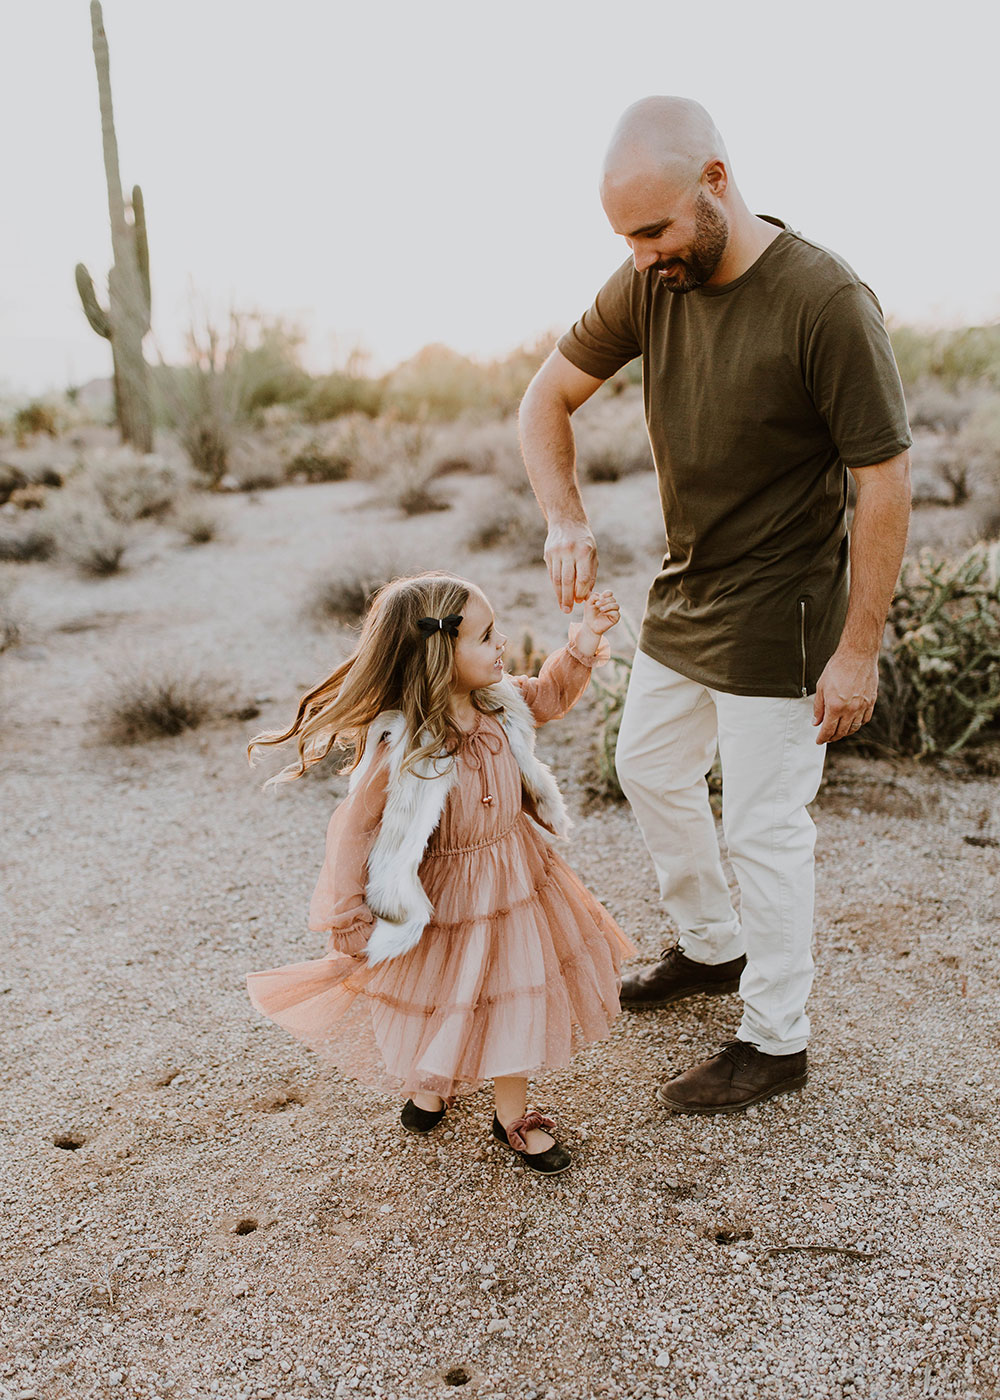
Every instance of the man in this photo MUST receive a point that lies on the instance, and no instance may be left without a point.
(767, 375)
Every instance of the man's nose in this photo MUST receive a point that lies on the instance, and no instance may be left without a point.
(643, 254)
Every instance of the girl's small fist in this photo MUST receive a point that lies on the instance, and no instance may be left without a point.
(601, 611)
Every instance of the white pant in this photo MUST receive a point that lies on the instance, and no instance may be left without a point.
(771, 770)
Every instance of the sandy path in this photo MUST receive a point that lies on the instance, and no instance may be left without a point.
(138, 887)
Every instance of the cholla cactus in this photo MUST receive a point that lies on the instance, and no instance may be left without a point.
(940, 669)
(126, 320)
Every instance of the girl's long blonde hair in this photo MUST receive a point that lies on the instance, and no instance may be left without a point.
(393, 667)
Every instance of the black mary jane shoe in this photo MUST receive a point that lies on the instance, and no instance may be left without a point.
(421, 1120)
(552, 1161)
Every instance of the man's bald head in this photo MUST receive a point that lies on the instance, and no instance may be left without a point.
(665, 137)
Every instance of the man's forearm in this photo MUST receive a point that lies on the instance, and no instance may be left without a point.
(549, 449)
(878, 539)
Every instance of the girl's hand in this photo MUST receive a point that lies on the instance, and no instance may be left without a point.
(601, 612)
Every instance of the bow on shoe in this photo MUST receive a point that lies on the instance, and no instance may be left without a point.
(429, 625)
(534, 1118)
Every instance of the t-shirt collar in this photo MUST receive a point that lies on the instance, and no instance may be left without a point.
(745, 276)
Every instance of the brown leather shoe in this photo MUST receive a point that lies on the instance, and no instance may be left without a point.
(735, 1078)
(676, 976)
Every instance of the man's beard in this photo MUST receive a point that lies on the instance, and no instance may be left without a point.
(711, 235)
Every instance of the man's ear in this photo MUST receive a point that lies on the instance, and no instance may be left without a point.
(716, 177)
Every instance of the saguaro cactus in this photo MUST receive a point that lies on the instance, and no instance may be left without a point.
(126, 319)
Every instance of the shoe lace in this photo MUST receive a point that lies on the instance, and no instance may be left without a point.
(741, 1052)
(673, 951)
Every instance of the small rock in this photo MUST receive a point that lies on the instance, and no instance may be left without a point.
(385, 1209)
(498, 1324)
(636, 1273)
(663, 1359)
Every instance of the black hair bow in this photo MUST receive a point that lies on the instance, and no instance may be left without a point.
(429, 625)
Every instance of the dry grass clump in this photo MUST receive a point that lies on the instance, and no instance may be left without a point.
(196, 521)
(11, 614)
(512, 522)
(132, 487)
(25, 540)
(342, 595)
(155, 704)
(489, 448)
(87, 535)
(611, 437)
(407, 485)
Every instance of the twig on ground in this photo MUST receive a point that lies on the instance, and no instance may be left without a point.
(818, 1249)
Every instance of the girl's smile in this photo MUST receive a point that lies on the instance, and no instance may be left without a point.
(478, 648)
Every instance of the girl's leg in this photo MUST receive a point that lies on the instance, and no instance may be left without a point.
(511, 1094)
(430, 1103)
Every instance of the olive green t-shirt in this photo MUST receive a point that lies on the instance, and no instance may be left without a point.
(759, 395)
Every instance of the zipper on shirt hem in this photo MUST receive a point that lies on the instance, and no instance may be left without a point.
(804, 691)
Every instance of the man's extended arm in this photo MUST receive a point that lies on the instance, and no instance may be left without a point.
(846, 691)
(552, 397)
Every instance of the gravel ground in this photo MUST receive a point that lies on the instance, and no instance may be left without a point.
(195, 1207)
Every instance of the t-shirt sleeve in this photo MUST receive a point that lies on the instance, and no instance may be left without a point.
(853, 380)
(605, 337)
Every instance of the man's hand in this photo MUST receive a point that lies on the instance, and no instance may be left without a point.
(845, 695)
(571, 559)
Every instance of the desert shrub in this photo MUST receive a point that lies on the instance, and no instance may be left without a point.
(914, 352)
(977, 445)
(317, 462)
(142, 705)
(524, 656)
(252, 468)
(25, 541)
(343, 593)
(939, 672)
(512, 522)
(333, 395)
(932, 404)
(196, 521)
(407, 485)
(611, 437)
(483, 447)
(12, 479)
(11, 614)
(609, 685)
(132, 487)
(86, 534)
(35, 417)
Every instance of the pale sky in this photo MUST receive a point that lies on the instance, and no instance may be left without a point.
(398, 173)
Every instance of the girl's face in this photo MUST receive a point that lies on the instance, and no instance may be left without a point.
(479, 647)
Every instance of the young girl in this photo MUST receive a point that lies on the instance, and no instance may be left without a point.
(462, 948)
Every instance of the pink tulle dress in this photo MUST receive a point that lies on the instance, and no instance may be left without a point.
(518, 967)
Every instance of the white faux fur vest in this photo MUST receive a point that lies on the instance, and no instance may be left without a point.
(414, 803)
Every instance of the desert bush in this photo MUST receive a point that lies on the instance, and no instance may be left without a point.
(524, 656)
(195, 520)
(407, 484)
(138, 706)
(343, 593)
(932, 404)
(35, 417)
(512, 522)
(610, 685)
(490, 448)
(939, 672)
(977, 445)
(334, 395)
(252, 468)
(11, 614)
(316, 461)
(84, 532)
(132, 487)
(12, 479)
(611, 437)
(25, 540)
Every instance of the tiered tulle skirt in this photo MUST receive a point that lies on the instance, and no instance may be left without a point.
(517, 971)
